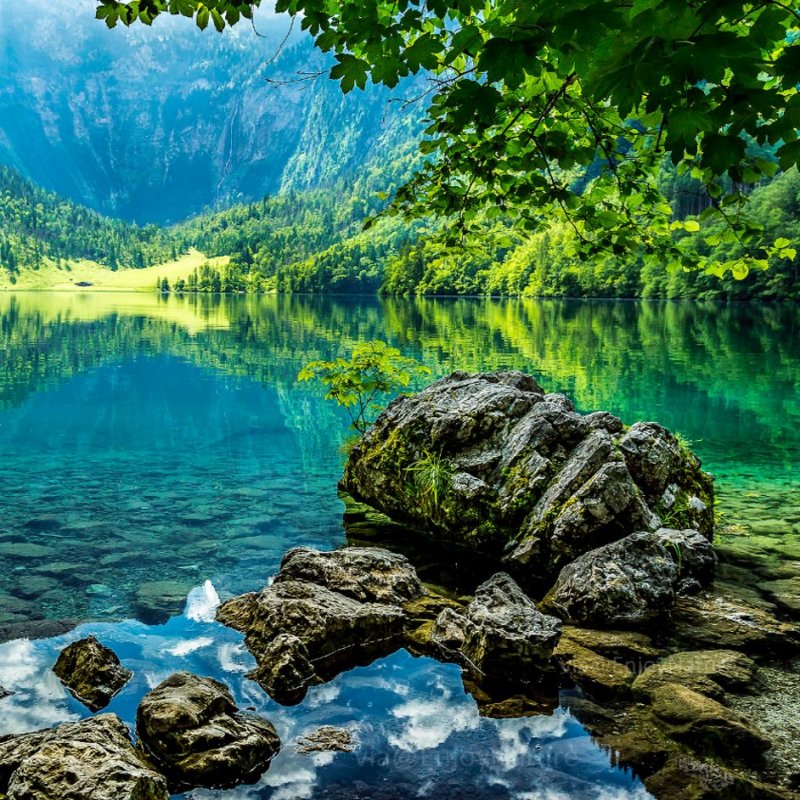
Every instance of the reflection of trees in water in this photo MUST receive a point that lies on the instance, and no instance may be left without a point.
(635, 358)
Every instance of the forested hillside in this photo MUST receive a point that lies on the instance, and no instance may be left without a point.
(314, 241)
(36, 225)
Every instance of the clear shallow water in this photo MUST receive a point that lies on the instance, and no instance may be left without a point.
(150, 444)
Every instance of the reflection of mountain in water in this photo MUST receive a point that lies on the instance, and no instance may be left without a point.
(691, 367)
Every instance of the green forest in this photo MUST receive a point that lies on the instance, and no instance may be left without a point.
(315, 241)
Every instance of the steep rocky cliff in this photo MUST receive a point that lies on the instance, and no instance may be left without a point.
(158, 124)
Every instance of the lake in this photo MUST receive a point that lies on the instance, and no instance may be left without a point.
(158, 454)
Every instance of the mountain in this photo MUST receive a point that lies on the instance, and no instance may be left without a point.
(158, 124)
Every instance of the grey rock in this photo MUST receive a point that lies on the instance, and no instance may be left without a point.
(89, 760)
(530, 479)
(367, 574)
(337, 631)
(448, 630)
(91, 672)
(505, 636)
(324, 613)
(694, 558)
(625, 583)
(634, 580)
(191, 728)
(652, 455)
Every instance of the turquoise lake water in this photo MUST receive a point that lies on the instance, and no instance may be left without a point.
(158, 454)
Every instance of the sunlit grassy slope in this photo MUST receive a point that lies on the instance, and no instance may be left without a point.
(101, 278)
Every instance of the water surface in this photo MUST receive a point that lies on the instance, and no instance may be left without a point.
(150, 444)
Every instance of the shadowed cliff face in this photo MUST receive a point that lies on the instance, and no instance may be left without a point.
(157, 124)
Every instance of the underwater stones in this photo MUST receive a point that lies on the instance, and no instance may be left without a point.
(91, 672)
(327, 739)
(522, 474)
(692, 779)
(704, 724)
(89, 760)
(157, 601)
(718, 618)
(597, 675)
(632, 581)
(776, 706)
(710, 672)
(191, 728)
(505, 636)
(367, 574)
(26, 550)
(785, 593)
(43, 524)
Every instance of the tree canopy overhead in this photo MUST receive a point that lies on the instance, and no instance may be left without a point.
(542, 109)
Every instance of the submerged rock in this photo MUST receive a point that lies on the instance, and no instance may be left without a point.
(327, 739)
(89, 760)
(705, 724)
(632, 648)
(91, 672)
(597, 675)
(710, 672)
(723, 618)
(157, 601)
(520, 472)
(191, 727)
(632, 581)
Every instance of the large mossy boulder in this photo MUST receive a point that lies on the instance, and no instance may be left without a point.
(493, 462)
(89, 760)
(191, 728)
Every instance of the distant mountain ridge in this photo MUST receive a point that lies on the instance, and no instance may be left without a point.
(157, 125)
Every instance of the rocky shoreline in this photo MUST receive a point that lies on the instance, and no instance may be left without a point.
(601, 591)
